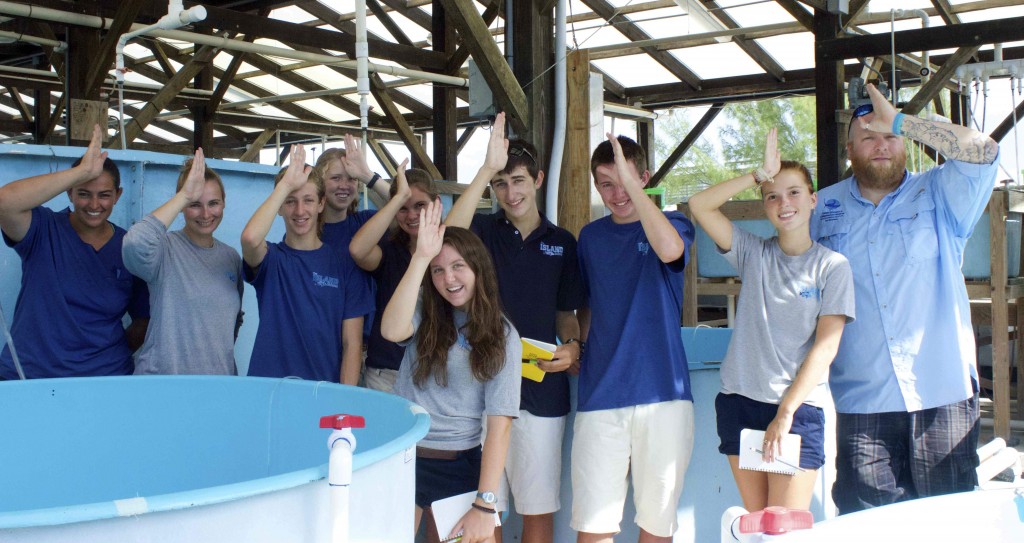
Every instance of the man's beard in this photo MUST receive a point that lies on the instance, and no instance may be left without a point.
(876, 176)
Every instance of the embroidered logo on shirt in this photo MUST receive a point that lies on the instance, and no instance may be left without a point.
(231, 277)
(551, 250)
(461, 341)
(643, 247)
(810, 293)
(325, 281)
(833, 210)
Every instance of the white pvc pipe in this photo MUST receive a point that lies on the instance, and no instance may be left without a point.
(23, 10)
(561, 107)
(339, 477)
(59, 46)
(362, 67)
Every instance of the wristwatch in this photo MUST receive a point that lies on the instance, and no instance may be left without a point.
(487, 497)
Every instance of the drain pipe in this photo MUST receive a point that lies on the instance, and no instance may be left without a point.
(341, 442)
(177, 16)
(561, 105)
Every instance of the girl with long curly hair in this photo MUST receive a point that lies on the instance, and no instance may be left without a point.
(462, 363)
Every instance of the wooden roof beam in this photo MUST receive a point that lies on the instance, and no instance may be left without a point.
(420, 157)
(939, 80)
(508, 94)
(635, 33)
(252, 154)
(152, 108)
(225, 19)
(104, 57)
(750, 47)
(687, 142)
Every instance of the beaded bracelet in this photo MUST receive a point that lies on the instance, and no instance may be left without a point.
(761, 176)
(897, 124)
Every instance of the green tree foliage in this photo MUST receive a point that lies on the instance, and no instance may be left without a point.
(739, 132)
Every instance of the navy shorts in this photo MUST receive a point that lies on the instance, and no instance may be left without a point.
(438, 479)
(736, 412)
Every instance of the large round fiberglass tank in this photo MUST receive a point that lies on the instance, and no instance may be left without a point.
(190, 458)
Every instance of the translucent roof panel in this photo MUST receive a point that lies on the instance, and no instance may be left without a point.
(662, 23)
(635, 70)
(325, 109)
(791, 51)
(747, 13)
(719, 60)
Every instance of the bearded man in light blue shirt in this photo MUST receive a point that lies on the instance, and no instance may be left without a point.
(904, 380)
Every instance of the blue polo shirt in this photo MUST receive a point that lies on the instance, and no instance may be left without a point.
(634, 350)
(537, 277)
(912, 345)
(67, 320)
(304, 297)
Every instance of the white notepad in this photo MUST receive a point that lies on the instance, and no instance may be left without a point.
(449, 510)
(787, 463)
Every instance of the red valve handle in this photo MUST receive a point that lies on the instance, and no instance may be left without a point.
(776, 521)
(337, 422)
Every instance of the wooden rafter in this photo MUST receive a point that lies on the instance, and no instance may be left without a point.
(160, 54)
(389, 23)
(19, 103)
(938, 81)
(462, 53)
(420, 157)
(104, 57)
(416, 15)
(508, 94)
(794, 8)
(152, 108)
(252, 154)
(634, 33)
(946, 12)
(750, 47)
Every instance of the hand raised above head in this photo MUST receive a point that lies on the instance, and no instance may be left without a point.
(354, 160)
(431, 231)
(194, 184)
(91, 165)
(627, 175)
(298, 171)
(497, 145)
(884, 112)
(402, 190)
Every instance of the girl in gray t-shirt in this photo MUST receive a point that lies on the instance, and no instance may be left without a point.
(795, 299)
(462, 363)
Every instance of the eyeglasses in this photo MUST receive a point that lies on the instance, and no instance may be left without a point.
(863, 110)
(518, 152)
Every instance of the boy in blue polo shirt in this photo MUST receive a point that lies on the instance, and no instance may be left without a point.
(635, 411)
(74, 286)
(539, 281)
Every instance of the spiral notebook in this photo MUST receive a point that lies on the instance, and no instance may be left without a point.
(449, 510)
(787, 463)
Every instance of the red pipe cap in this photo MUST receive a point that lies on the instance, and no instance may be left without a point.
(337, 422)
(776, 521)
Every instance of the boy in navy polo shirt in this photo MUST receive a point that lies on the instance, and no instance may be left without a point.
(74, 286)
(635, 410)
(539, 280)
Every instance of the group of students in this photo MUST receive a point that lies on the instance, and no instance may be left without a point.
(450, 300)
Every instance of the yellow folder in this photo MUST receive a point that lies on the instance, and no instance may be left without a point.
(533, 351)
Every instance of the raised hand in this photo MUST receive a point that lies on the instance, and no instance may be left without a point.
(355, 159)
(402, 190)
(497, 145)
(298, 172)
(431, 233)
(884, 112)
(772, 157)
(627, 175)
(194, 184)
(92, 161)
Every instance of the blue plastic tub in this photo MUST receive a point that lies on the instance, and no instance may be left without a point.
(710, 263)
(194, 458)
(977, 254)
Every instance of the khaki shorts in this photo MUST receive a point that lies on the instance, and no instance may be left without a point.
(649, 443)
(379, 379)
(533, 467)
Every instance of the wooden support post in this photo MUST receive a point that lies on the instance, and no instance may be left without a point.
(1000, 326)
(252, 154)
(689, 278)
(532, 56)
(574, 185)
(446, 155)
(828, 78)
(82, 44)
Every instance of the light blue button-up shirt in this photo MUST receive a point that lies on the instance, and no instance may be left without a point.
(912, 345)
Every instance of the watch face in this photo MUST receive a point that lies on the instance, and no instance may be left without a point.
(487, 497)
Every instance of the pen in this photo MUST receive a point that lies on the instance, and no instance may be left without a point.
(783, 462)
